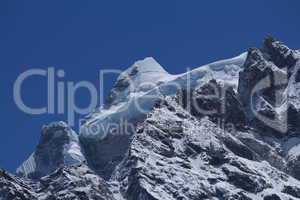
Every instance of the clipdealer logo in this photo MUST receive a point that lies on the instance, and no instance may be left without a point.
(59, 101)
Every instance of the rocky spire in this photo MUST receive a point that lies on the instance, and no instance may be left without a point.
(58, 146)
(279, 53)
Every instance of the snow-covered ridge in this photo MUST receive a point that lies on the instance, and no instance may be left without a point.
(146, 78)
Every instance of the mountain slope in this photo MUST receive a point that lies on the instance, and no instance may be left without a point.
(131, 99)
(73, 182)
(227, 130)
(175, 156)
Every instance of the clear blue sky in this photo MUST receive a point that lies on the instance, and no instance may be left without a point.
(83, 37)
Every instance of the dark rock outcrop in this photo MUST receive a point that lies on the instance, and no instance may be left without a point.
(264, 87)
(75, 182)
(58, 147)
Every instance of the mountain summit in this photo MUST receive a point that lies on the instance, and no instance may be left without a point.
(228, 130)
(58, 147)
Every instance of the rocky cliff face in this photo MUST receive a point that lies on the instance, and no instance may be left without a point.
(176, 156)
(267, 86)
(58, 147)
(233, 134)
(74, 182)
(12, 187)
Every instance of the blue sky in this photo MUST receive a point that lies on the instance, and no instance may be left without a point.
(82, 37)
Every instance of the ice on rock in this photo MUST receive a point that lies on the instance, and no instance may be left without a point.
(146, 81)
(59, 146)
(130, 101)
(28, 166)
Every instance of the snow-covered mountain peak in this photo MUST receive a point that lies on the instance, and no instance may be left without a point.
(133, 96)
(147, 77)
(147, 69)
(148, 64)
(58, 146)
(141, 77)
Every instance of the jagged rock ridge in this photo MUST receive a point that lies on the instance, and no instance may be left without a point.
(175, 151)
